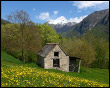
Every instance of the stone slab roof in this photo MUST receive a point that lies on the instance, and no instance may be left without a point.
(47, 48)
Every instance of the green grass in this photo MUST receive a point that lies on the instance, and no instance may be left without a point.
(94, 74)
(100, 75)
(8, 58)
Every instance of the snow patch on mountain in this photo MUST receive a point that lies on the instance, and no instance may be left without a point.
(62, 20)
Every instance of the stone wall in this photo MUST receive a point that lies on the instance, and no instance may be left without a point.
(64, 60)
(40, 60)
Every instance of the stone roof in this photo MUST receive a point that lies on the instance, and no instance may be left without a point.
(47, 48)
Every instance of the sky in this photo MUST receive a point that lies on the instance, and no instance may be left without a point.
(53, 11)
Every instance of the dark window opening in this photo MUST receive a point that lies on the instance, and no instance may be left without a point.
(56, 54)
(56, 63)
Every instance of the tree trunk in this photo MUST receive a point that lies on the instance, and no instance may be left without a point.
(22, 27)
(79, 66)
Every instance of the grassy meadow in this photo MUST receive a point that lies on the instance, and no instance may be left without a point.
(14, 73)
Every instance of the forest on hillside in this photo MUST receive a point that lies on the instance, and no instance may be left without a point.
(22, 38)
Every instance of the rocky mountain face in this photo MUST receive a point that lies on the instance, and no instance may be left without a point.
(97, 18)
(104, 20)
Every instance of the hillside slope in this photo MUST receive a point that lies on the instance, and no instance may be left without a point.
(4, 21)
(16, 74)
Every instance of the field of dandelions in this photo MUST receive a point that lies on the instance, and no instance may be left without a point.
(19, 76)
(22, 75)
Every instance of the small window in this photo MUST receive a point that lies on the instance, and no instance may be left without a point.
(56, 63)
(56, 54)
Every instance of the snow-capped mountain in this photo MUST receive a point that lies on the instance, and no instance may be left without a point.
(61, 20)
(61, 24)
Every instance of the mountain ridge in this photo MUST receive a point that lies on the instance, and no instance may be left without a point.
(97, 18)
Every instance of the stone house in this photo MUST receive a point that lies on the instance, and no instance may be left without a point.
(52, 56)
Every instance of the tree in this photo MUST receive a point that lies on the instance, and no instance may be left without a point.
(80, 48)
(32, 42)
(20, 18)
(10, 39)
(101, 47)
(48, 34)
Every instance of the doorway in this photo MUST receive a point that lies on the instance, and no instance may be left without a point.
(56, 63)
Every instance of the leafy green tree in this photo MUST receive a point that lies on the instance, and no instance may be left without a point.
(80, 48)
(10, 39)
(21, 38)
(48, 34)
(101, 46)
(20, 18)
(102, 49)
(32, 42)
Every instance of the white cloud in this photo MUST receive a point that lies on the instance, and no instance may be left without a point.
(77, 19)
(55, 12)
(34, 9)
(63, 20)
(86, 4)
(44, 16)
(60, 19)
